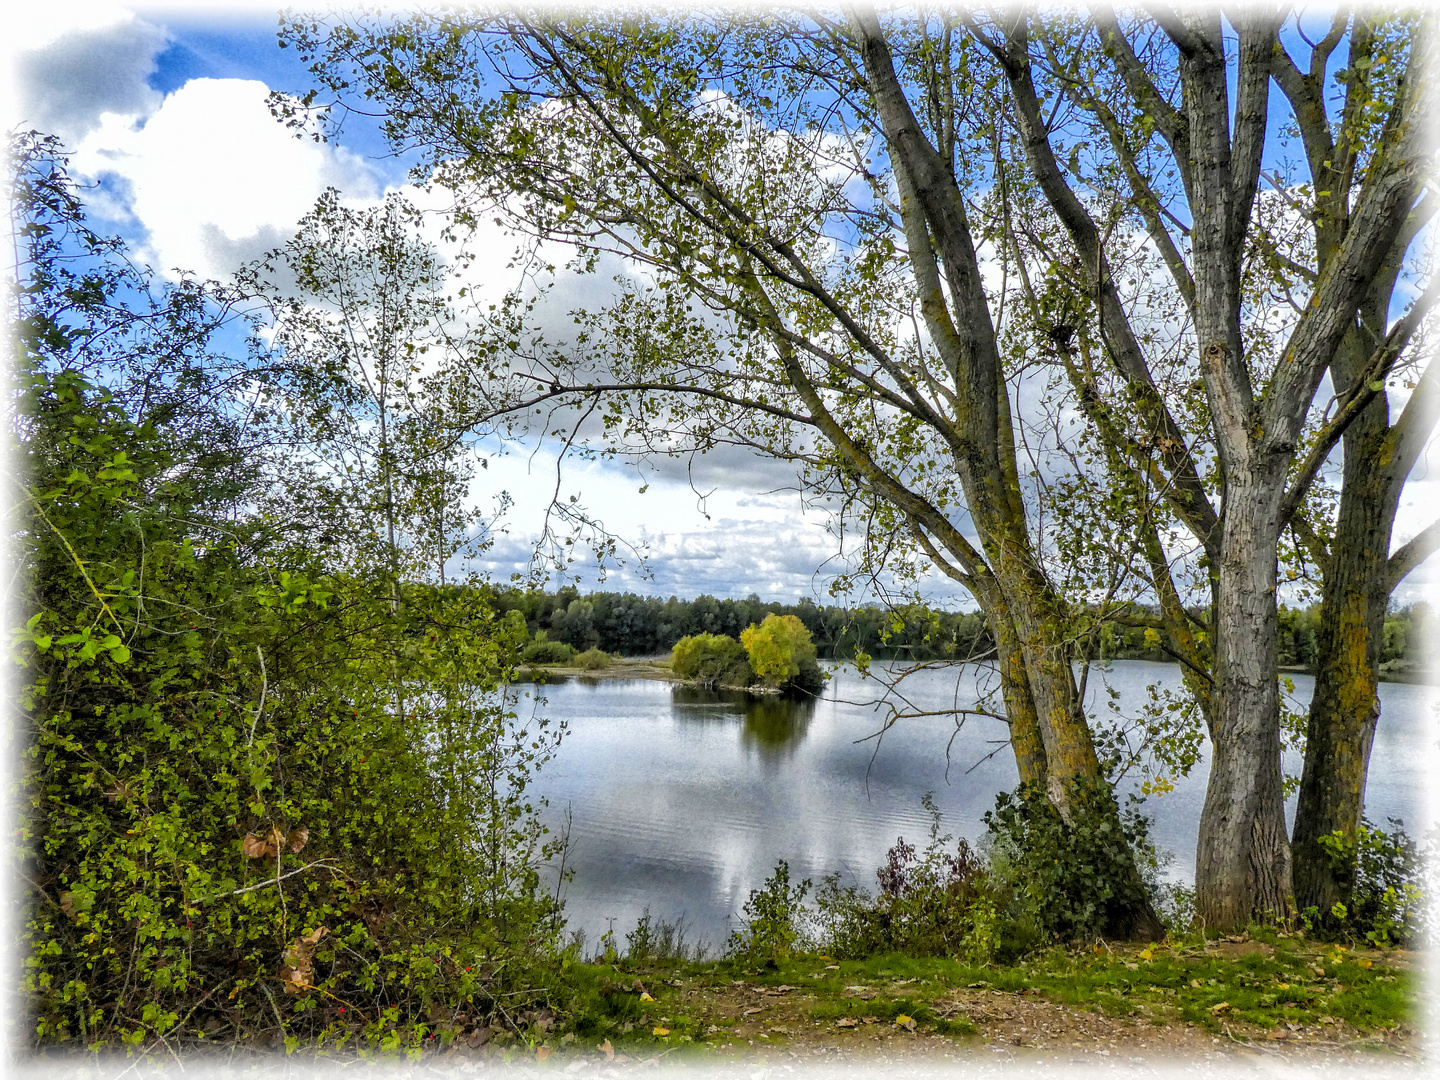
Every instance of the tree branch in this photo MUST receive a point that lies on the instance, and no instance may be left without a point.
(1358, 397)
(1411, 554)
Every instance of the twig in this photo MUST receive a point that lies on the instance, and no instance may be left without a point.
(264, 688)
(268, 882)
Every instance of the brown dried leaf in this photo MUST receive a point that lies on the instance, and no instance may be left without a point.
(541, 1053)
(67, 903)
(298, 964)
(298, 838)
(847, 1022)
(606, 1049)
(252, 846)
(756, 1009)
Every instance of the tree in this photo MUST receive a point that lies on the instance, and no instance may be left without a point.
(1191, 172)
(215, 788)
(779, 648)
(811, 197)
(364, 336)
(713, 177)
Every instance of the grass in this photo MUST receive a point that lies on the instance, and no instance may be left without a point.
(1241, 989)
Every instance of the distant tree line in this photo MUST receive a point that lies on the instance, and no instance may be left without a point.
(631, 625)
(627, 624)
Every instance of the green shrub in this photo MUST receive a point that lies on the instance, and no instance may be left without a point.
(260, 801)
(1387, 903)
(1070, 881)
(931, 903)
(544, 651)
(712, 660)
(774, 918)
(593, 660)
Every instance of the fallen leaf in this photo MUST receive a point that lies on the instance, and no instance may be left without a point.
(1367, 964)
(906, 1022)
(1221, 1007)
(832, 967)
(252, 846)
(753, 1011)
(1319, 970)
(298, 838)
(1132, 967)
(661, 1030)
(297, 965)
(1279, 1034)
(67, 904)
(646, 997)
(847, 1022)
(606, 1049)
(542, 1052)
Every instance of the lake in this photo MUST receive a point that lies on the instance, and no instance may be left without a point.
(683, 800)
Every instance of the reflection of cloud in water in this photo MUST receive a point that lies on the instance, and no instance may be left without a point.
(771, 724)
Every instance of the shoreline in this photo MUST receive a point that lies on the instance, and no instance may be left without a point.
(658, 670)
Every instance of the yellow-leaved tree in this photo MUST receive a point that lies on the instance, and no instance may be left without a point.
(779, 648)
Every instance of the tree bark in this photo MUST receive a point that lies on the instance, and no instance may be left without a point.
(1346, 706)
(1242, 863)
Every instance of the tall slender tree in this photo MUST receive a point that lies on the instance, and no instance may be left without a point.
(800, 195)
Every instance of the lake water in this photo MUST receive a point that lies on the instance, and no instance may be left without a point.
(683, 800)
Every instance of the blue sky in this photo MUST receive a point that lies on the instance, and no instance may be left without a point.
(164, 109)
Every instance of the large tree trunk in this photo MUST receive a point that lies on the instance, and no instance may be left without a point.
(1242, 863)
(1346, 707)
(1025, 738)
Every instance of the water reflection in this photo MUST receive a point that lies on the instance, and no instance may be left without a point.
(773, 725)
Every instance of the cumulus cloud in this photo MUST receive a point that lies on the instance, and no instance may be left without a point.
(212, 178)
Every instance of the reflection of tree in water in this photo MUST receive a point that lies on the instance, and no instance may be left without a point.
(776, 724)
(773, 724)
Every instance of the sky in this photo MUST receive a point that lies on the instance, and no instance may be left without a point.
(164, 110)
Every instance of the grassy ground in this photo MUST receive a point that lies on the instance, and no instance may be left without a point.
(1269, 993)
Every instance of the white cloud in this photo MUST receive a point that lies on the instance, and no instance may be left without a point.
(212, 178)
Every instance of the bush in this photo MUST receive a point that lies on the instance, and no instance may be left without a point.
(593, 660)
(259, 801)
(774, 918)
(1387, 903)
(544, 651)
(712, 660)
(1076, 880)
(935, 903)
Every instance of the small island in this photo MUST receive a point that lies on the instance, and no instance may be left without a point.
(776, 656)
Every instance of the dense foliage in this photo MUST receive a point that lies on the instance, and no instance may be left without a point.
(262, 800)
(781, 651)
(628, 624)
(712, 660)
